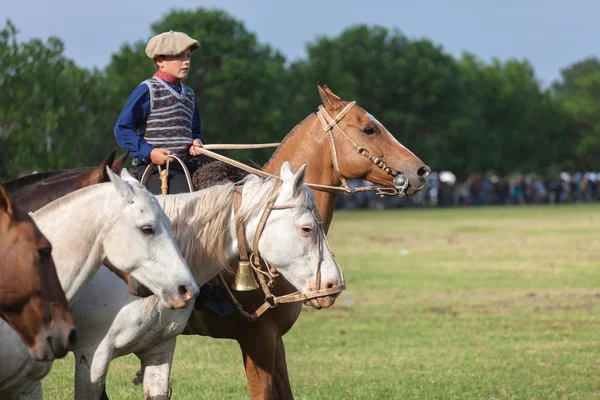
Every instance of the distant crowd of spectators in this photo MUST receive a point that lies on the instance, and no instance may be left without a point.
(444, 191)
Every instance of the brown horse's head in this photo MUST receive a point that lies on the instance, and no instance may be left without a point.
(32, 301)
(368, 133)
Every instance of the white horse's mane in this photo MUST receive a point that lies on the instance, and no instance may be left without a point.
(200, 220)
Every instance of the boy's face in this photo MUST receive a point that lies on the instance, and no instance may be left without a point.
(178, 65)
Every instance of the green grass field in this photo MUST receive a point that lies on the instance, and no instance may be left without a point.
(479, 303)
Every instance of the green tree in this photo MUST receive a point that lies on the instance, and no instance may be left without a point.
(569, 76)
(579, 93)
(519, 127)
(43, 113)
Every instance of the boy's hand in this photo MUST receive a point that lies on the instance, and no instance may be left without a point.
(159, 156)
(193, 148)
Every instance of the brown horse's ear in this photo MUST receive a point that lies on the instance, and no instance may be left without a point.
(331, 102)
(98, 174)
(108, 161)
(119, 163)
(5, 202)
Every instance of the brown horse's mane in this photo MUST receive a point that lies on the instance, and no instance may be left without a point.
(287, 137)
(45, 177)
(218, 172)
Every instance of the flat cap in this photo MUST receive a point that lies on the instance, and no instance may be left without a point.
(170, 44)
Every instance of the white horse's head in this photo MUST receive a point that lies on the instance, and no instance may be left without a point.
(139, 242)
(293, 240)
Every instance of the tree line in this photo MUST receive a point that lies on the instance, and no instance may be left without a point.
(456, 113)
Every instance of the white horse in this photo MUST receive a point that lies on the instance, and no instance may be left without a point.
(204, 228)
(119, 222)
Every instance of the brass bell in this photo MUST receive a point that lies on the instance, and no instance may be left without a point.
(244, 278)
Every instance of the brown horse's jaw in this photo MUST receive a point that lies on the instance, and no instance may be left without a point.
(53, 342)
(410, 191)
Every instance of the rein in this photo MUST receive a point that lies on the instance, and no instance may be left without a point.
(164, 174)
(267, 277)
(328, 125)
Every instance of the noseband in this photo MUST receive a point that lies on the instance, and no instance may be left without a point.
(268, 275)
(329, 124)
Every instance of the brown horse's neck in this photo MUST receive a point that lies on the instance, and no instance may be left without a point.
(308, 144)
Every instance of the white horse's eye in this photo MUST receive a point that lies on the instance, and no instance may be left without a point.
(147, 230)
(306, 230)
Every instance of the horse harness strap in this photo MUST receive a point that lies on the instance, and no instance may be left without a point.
(255, 259)
(328, 128)
(267, 278)
(239, 225)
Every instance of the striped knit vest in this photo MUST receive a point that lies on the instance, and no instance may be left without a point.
(169, 122)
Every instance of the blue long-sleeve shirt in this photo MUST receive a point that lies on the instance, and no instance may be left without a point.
(133, 116)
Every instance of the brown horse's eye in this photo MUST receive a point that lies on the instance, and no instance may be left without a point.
(45, 253)
(369, 130)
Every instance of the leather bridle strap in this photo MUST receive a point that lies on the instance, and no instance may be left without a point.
(266, 278)
(329, 124)
(239, 225)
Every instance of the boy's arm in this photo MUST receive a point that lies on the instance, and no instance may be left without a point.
(197, 125)
(131, 118)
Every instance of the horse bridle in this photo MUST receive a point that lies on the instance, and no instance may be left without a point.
(329, 124)
(267, 276)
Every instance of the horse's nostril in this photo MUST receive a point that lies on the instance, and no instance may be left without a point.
(424, 171)
(72, 338)
(183, 290)
(329, 285)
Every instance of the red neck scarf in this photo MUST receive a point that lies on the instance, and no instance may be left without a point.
(165, 76)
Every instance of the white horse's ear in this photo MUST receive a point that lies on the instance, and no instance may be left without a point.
(123, 188)
(127, 177)
(299, 179)
(292, 183)
(286, 171)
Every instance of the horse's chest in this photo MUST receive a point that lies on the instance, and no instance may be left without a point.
(155, 328)
(17, 368)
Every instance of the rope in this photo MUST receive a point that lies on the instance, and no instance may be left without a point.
(324, 188)
(239, 146)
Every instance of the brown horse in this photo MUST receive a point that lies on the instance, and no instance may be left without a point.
(261, 341)
(32, 301)
(32, 192)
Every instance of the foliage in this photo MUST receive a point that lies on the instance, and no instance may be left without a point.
(45, 116)
(460, 114)
(579, 92)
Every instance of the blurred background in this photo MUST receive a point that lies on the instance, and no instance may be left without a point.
(501, 100)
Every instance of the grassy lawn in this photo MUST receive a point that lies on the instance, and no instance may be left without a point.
(479, 303)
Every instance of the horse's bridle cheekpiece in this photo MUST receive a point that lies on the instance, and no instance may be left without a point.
(329, 124)
(266, 276)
